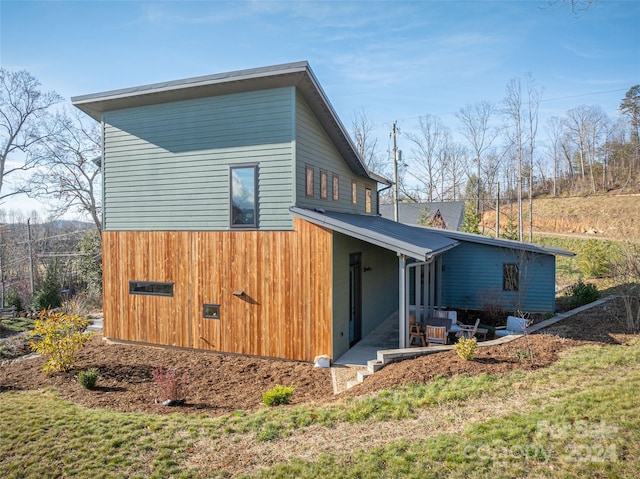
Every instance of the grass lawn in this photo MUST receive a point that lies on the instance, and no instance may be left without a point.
(577, 418)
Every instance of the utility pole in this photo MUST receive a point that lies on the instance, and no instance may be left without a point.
(498, 213)
(30, 256)
(395, 172)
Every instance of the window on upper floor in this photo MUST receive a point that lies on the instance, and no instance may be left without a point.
(367, 200)
(336, 188)
(309, 186)
(510, 277)
(324, 187)
(354, 193)
(244, 193)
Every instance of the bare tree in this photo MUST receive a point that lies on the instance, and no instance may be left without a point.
(454, 163)
(367, 143)
(513, 112)
(476, 128)
(534, 94)
(585, 125)
(428, 151)
(25, 121)
(68, 175)
(554, 131)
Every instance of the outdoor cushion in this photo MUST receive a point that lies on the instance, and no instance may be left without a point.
(514, 325)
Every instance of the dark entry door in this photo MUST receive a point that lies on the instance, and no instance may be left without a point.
(355, 298)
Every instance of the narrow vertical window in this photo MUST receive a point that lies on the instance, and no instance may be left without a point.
(309, 185)
(510, 277)
(324, 187)
(336, 188)
(367, 200)
(354, 192)
(243, 188)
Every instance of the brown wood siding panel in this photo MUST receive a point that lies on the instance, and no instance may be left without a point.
(285, 275)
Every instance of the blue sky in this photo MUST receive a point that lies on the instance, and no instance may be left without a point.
(395, 60)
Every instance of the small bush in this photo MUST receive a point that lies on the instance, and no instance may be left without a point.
(593, 260)
(88, 378)
(173, 386)
(277, 395)
(466, 348)
(12, 298)
(59, 335)
(582, 293)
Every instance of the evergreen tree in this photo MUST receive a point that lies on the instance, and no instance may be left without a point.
(48, 294)
(89, 268)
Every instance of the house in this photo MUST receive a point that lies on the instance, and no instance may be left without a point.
(447, 215)
(238, 217)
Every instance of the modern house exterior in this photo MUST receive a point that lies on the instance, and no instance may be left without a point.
(238, 217)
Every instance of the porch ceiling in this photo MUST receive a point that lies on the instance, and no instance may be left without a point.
(412, 241)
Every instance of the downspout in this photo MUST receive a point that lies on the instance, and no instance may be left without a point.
(378, 202)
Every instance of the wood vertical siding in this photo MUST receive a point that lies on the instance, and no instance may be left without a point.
(285, 275)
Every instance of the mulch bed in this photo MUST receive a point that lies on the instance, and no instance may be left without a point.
(222, 383)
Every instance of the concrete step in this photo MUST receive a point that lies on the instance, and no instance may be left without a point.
(374, 365)
(362, 375)
(350, 384)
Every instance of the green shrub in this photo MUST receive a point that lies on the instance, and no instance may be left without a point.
(88, 378)
(277, 395)
(466, 348)
(12, 298)
(582, 293)
(48, 294)
(59, 335)
(594, 259)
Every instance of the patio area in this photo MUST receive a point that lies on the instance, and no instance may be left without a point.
(383, 337)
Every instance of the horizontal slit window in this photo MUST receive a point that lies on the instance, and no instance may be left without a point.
(152, 288)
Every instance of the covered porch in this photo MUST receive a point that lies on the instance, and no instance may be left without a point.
(417, 276)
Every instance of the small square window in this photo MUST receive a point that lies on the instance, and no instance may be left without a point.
(324, 187)
(336, 188)
(211, 311)
(309, 185)
(510, 277)
(354, 193)
(367, 200)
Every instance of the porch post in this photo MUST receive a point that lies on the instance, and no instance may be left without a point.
(403, 332)
(417, 293)
(432, 285)
(439, 281)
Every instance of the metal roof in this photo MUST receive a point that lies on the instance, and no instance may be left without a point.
(412, 241)
(499, 242)
(298, 74)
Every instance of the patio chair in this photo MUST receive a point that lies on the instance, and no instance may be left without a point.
(514, 325)
(468, 331)
(414, 331)
(436, 335)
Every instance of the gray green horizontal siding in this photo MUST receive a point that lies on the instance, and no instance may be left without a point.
(472, 278)
(166, 166)
(315, 148)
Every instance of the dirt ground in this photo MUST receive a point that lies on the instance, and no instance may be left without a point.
(222, 383)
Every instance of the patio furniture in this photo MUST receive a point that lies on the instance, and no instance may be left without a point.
(452, 315)
(436, 335)
(514, 325)
(415, 332)
(468, 331)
